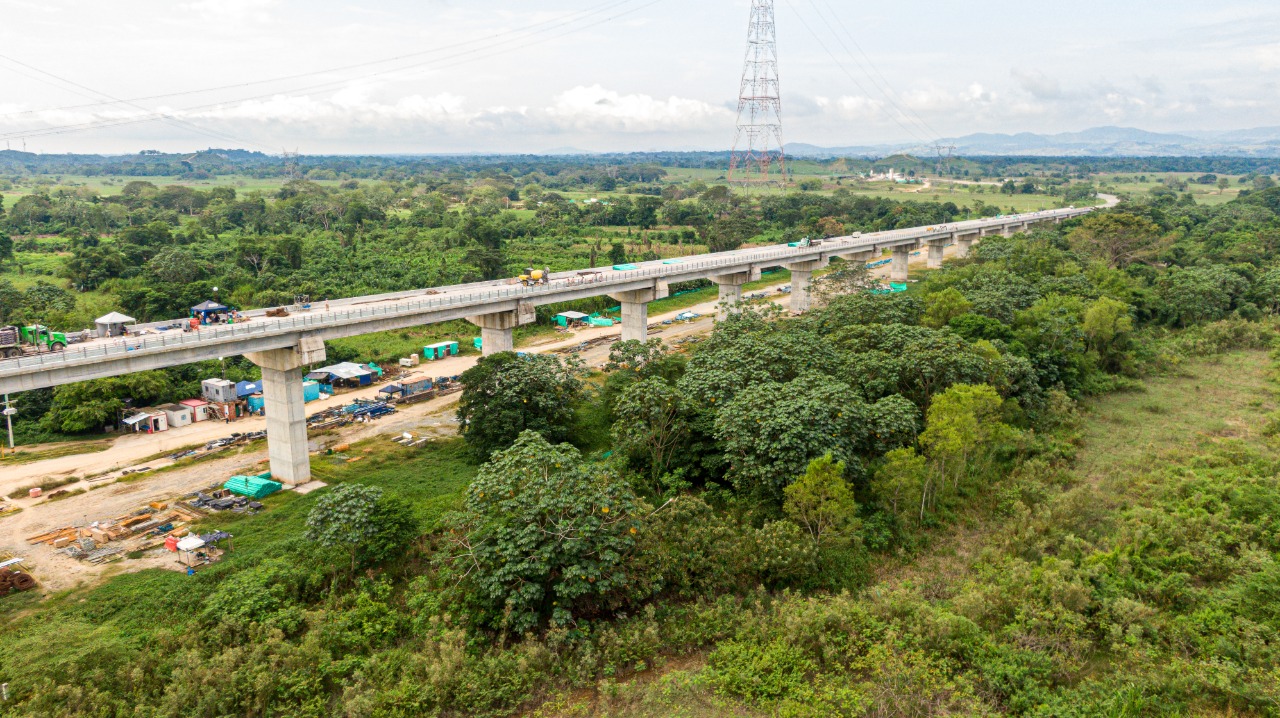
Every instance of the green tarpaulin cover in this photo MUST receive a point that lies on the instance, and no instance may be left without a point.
(254, 487)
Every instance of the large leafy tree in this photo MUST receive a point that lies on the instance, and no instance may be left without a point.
(12, 303)
(1116, 238)
(362, 520)
(749, 349)
(505, 394)
(91, 405)
(962, 421)
(1199, 294)
(942, 307)
(821, 502)
(915, 362)
(771, 432)
(650, 427)
(542, 537)
(1108, 324)
(866, 308)
(89, 267)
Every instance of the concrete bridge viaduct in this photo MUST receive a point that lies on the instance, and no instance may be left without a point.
(282, 347)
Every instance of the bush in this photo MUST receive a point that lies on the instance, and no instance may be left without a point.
(760, 673)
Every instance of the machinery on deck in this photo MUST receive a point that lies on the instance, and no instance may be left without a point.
(34, 339)
(533, 276)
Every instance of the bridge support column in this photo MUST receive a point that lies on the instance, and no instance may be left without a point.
(285, 408)
(802, 284)
(497, 329)
(635, 310)
(731, 291)
(898, 268)
(964, 242)
(936, 250)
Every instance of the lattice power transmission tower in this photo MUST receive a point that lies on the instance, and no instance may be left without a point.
(757, 147)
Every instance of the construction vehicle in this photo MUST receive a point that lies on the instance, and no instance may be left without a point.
(806, 242)
(533, 276)
(37, 338)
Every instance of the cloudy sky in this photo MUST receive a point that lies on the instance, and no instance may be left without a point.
(333, 76)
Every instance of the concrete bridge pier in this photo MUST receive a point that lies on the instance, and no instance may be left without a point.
(635, 310)
(731, 291)
(964, 243)
(898, 267)
(802, 284)
(936, 249)
(285, 408)
(497, 329)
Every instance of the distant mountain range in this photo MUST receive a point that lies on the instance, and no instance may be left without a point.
(1096, 142)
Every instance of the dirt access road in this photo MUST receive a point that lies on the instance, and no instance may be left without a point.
(105, 499)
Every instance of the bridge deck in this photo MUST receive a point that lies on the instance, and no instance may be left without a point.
(361, 315)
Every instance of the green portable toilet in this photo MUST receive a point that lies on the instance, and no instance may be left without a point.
(477, 343)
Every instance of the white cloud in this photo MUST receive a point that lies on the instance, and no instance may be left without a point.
(1038, 84)
(597, 108)
(363, 110)
(636, 81)
(234, 11)
(1267, 57)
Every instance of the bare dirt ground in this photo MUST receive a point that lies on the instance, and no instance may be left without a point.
(106, 497)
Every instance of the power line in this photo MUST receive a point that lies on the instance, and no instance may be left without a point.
(910, 131)
(528, 30)
(172, 120)
(887, 87)
(457, 59)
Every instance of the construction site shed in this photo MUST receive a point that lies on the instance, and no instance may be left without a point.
(564, 319)
(440, 351)
(344, 374)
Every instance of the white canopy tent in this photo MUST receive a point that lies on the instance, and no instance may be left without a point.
(113, 324)
(187, 548)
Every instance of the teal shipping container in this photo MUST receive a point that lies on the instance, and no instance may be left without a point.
(254, 487)
(256, 402)
(310, 390)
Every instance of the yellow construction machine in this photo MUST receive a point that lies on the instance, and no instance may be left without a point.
(533, 276)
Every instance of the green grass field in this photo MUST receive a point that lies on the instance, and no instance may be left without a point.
(1205, 194)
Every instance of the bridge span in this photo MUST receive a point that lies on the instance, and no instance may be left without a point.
(282, 347)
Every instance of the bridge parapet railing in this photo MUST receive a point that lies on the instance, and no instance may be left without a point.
(343, 316)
